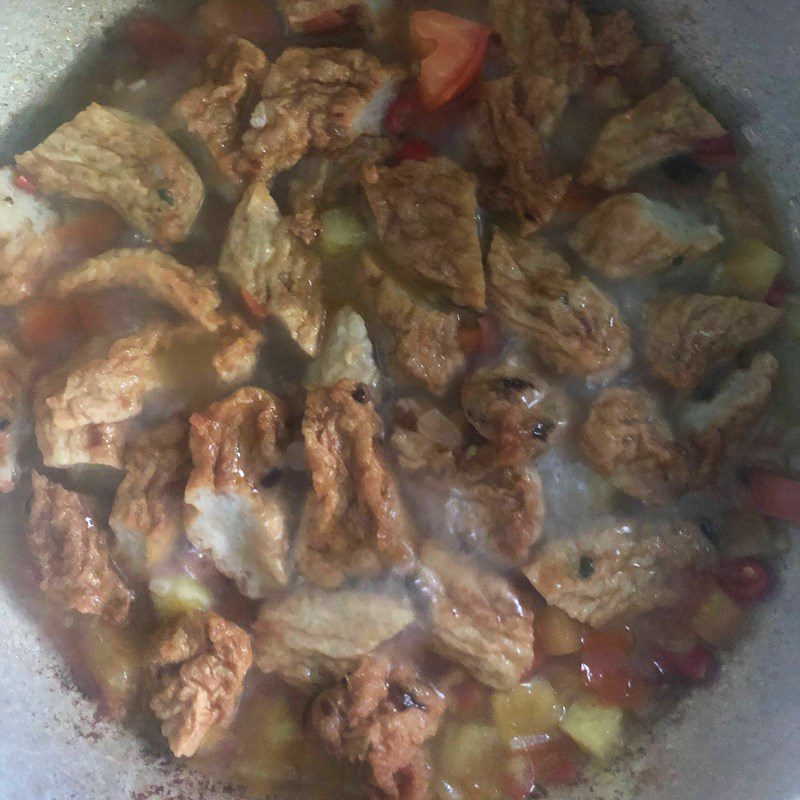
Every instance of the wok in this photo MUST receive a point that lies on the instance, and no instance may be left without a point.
(737, 740)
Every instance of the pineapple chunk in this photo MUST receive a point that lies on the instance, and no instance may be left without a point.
(557, 632)
(342, 233)
(178, 595)
(269, 744)
(750, 269)
(469, 759)
(719, 621)
(527, 712)
(566, 680)
(597, 729)
(113, 660)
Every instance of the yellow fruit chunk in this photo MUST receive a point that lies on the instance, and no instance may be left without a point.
(597, 729)
(342, 233)
(719, 620)
(750, 269)
(269, 743)
(556, 632)
(176, 596)
(113, 660)
(469, 760)
(527, 712)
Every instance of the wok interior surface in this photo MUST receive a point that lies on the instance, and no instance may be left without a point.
(739, 738)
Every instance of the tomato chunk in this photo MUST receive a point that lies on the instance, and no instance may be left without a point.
(157, 43)
(774, 495)
(745, 579)
(24, 183)
(452, 50)
(414, 150)
(402, 111)
(716, 153)
(778, 292)
(481, 340)
(253, 20)
(606, 670)
(693, 665)
(88, 235)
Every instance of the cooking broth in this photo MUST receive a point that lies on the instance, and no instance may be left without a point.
(516, 742)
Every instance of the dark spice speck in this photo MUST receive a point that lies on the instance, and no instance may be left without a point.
(585, 567)
(360, 394)
(166, 196)
(271, 478)
(5, 423)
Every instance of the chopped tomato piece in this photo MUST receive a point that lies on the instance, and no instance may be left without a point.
(716, 153)
(49, 322)
(326, 21)
(402, 111)
(24, 183)
(606, 669)
(255, 307)
(88, 235)
(778, 292)
(414, 150)
(693, 665)
(157, 43)
(745, 579)
(550, 762)
(452, 51)
(250, 19)
(578, 198)
(774, 495)
(480, 340)
(467, 697)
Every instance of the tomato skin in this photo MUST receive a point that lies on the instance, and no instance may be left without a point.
(414, 150)
(255, 307)
(468, 697)
(324, 22)
(774, 495)
(452, 50)
(745, 579)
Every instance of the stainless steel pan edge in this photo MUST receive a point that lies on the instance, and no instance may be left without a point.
(739, 740)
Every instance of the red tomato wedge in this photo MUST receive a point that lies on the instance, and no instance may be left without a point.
(774, 495)
(157, 43)
(452, 51)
